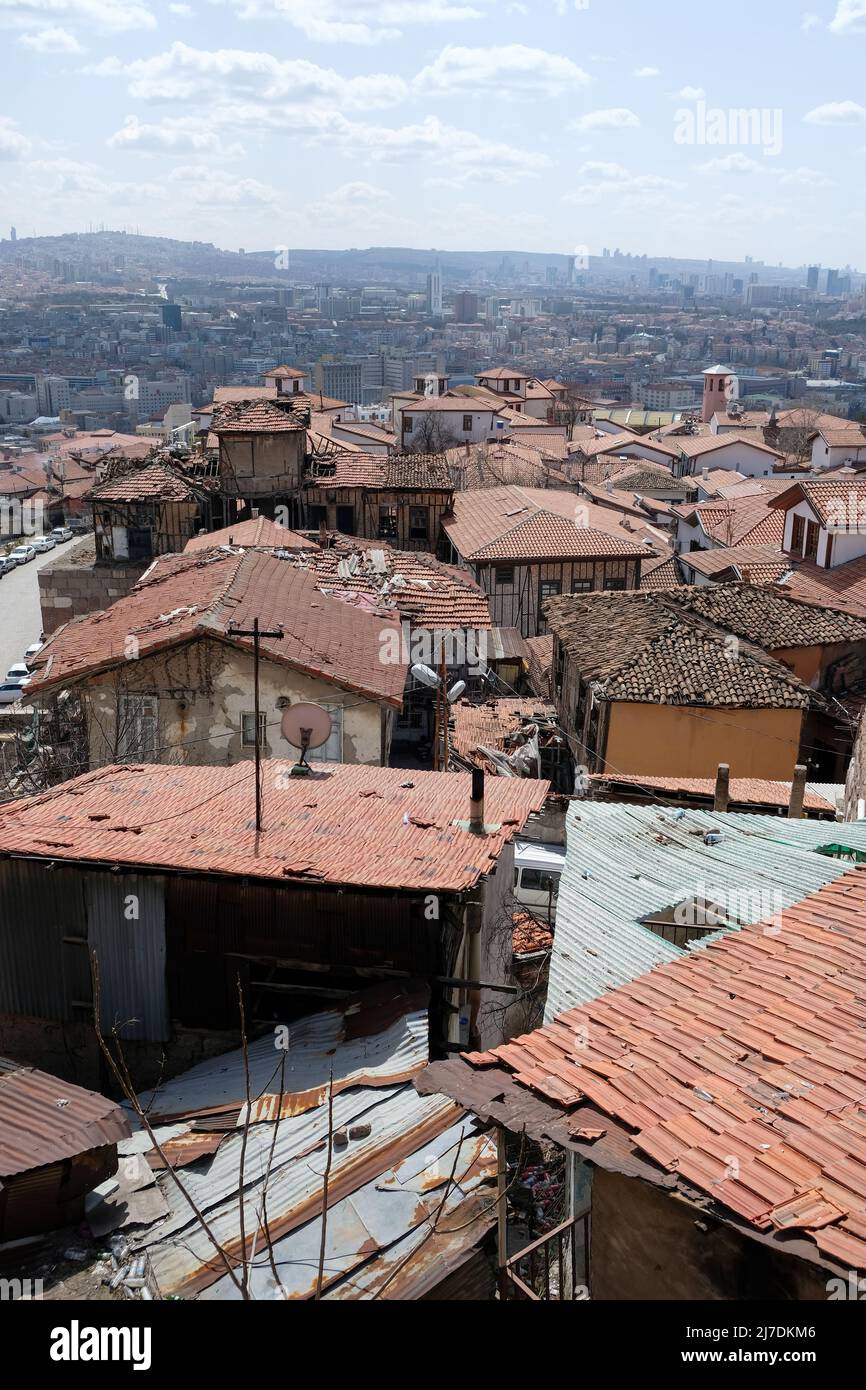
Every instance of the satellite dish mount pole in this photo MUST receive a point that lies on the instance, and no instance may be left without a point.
(256, 633)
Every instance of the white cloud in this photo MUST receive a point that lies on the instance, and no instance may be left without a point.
(182, 10)
(213, 188)
(513, 70)
(363, 21)
(850, 17)
(173, 133)
(338, 207)
(66, 176)
(688, 94)
(614, 118)
(737, 163)
(183, 73)
(646, 72)
(110, 16)
(13, 145)
(613, 181)
(810, 21)
(837, 113)
(51, 41)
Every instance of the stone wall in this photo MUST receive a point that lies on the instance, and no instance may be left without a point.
(73, 584)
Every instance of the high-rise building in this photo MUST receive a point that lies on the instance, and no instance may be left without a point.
(14, 234)
(434, 293)
(812, 277)
(171, 317)
(465, 307)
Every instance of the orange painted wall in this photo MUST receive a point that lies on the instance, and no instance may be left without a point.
(681, 741)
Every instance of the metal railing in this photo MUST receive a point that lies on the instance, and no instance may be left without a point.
(554, 1268)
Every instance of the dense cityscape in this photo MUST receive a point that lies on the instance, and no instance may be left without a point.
(433, 677)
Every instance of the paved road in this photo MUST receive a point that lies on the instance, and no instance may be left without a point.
(20, 616)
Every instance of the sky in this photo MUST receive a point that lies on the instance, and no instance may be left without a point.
(671, 128)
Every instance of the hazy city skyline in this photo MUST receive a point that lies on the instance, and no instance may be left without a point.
(558, 127)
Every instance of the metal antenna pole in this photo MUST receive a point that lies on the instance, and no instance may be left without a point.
(256, 634)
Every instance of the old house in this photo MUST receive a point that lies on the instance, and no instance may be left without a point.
(709, 1113)
(400, 499)
(262, 452)
(357, 874)
(643, 684)
(526, 545)
(140, 513)
(167, 673)
(57, 1143)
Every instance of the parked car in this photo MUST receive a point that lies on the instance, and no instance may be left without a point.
(10, 692)
(537, 871)
(62, 533)
(43, 543)
(22, 553)
(19, 672)
(6, 565)
(33, 650)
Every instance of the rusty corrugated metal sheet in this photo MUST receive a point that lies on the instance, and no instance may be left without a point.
(42, 970)
(44, 1119)
(126, 930)
(372, 826)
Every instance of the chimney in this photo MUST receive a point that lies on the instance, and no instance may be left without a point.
(476, 803)
(720, 800)
(746, 574)
(798, 793)
(705, 472)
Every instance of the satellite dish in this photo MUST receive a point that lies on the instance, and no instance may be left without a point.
(305, 727)
(425, 675)
(456, 691)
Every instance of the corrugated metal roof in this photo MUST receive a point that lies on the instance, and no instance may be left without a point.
(44, 1120)
(625, 862)
(385, 1181)
(373, 826)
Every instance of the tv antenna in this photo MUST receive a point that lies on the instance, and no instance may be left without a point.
(305, 727)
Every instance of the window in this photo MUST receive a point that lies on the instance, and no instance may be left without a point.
(419, 523)
(316, 516)
(467, 424)
(505, 577)
(797, 530)
(248, 729)
(613, 583)
(550, 588)
(407, 424)
(581, 586)
(346, 520)
(387, 523)
(332, 751)
(139, 722)
(813, 532)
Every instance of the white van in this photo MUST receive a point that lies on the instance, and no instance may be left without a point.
(537, 871)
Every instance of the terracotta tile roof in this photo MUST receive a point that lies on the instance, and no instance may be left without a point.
(416, 585)
(529, 935)
(764, 563)
(451, 404)
(850, 436)
(45, 1120)
(373, 826)
(492, 724)
(503, 374)
(752, 520)
(520, 523)
(409, 472)
(257, 533)
(838, 503)
(661, 574)
(739, 1068)
(155, 481)
(694, 446)
(843, 586)
(646, 647)
(183, 598)
(745, 791)
(768, 616)
(284, 374)
(257, 417)
(608, 443)
(302, 400)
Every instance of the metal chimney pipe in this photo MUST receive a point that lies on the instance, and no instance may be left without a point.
(476, 804)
